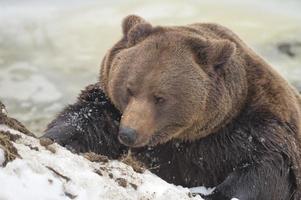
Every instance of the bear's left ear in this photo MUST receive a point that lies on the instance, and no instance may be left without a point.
(212, 52)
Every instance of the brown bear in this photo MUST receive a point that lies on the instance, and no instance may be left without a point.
(199, 107)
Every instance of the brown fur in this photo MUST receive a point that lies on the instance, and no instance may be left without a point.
(212, 69)
(202, 47)
(207, 111)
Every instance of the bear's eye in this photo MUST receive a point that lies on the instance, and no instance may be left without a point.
(130, 92)
(158, 99)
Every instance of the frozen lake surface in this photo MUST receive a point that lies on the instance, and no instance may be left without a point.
(49, 50)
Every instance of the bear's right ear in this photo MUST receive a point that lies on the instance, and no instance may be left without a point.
(135, 29)
(130, 21)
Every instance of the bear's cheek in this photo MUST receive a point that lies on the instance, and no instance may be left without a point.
(116, 92)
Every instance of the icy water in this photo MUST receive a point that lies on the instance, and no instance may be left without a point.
(49, 50)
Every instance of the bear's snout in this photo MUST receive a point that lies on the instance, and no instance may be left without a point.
(127, 136)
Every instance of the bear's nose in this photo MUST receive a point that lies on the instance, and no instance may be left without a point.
(127, 136)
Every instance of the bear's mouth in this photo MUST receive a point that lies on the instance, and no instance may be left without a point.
(160, 136)
(164, 134)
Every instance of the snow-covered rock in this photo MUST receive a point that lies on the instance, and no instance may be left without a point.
(2, 157)
(53, 172)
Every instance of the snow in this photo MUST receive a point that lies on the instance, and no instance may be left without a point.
(201, 190)
(41, 174)
(2, 157)
(28, 183)
(3, 111)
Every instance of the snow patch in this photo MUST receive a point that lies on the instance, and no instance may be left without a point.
(201, 190)
(41, 174)
(2, 158)
(27, 183)
(5, 128)
(3, 111)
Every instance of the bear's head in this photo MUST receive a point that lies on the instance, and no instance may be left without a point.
(171, 82)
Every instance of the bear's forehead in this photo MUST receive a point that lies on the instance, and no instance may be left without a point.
(157, 50)
(156, 62)
(166, 76)
(159, 58)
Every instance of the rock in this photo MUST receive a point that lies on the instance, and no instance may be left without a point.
(290, 48)
(93, 157)
(11, 122)
(9, 151)
(28, 166)
(131, 161)
(46, 142)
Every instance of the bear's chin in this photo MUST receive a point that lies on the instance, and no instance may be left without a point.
(159, 139)
(150, 142)
(162, 136)
(165, 135)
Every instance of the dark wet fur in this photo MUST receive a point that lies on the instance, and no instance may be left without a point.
(91, 124)
(250, 158)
